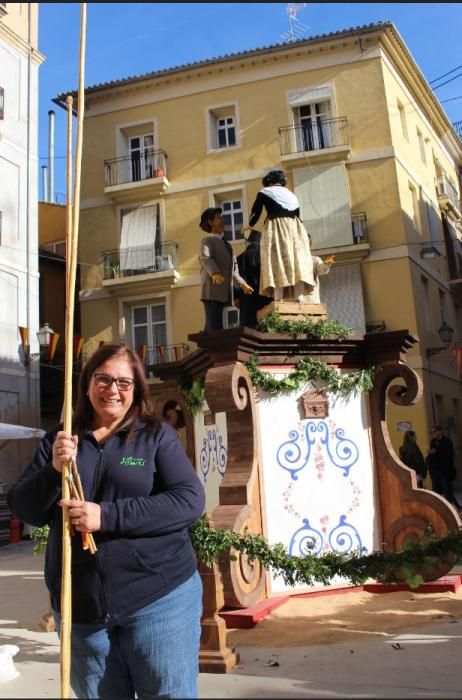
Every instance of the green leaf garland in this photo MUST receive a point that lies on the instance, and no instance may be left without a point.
(324, 328)
(308, 370)
(387, 567)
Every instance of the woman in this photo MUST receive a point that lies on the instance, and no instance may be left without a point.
(137, 602)
(411, 455)
(286, 264)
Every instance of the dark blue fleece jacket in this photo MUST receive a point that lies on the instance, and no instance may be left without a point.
(149, 494)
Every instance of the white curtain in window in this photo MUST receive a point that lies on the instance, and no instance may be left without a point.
(138, 238)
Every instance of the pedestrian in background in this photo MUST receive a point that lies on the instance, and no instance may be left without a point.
(441, 466)
(136, 602)
(411, 454)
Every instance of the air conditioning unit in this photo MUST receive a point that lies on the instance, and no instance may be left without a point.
(230, 317)
(442, 187)
(164, 262)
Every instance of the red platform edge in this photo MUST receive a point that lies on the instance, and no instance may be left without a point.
(246, 618)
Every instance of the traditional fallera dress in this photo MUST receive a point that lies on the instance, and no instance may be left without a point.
(286, 262)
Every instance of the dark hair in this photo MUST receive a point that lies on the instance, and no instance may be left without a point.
(437, 427)
(409, 436)
(84, 412)
(274, 177)
(207, 216)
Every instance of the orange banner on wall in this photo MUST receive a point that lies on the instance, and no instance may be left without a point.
(54, 337)
(142, 350)
(457, 350)
(24, 333)
(78, 345)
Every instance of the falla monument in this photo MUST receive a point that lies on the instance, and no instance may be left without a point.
(313, 469)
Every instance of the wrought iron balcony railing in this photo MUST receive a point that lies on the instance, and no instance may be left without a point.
(359, 227)
(134, 168)
(159, 354)
(458, 128)
(446, 190)
(2, 103)
(313, 135)
(139, 260)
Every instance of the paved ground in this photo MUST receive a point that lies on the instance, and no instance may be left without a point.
(420, 663)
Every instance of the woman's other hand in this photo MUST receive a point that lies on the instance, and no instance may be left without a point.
(64, 449)
(217, 278)
(84, 515)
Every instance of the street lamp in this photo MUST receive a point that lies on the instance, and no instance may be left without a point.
(44, 335)
(446, 334)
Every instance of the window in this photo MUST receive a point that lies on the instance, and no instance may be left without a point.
(142, 160)
(2, 103)
(414, 206)
(402, 117)
(426, 302)
(139, 239)
(222, 128)
(233, 213)
(313, 129)
(149, 327)
(442, 301)
(226, 132)
(421, 141)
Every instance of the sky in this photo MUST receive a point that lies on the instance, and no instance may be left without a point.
(127, 39)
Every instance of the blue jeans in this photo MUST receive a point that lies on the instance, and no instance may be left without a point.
(153, 652)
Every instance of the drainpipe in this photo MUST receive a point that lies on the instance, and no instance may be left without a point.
(51, 154)
(44, 184)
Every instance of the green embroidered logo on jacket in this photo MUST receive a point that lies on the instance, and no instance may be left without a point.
(133, 461)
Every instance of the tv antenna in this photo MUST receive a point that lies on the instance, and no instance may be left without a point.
(296, 28)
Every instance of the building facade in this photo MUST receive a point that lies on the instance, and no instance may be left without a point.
(366, 147)
(19, 279)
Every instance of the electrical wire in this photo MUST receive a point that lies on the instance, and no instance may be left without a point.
(436, 87)
(435, 80)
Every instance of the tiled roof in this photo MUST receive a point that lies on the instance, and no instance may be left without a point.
(352, 31)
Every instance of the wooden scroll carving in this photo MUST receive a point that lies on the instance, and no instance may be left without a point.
(228, 388)
(405, 509)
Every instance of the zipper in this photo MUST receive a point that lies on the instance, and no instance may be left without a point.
(96, 480)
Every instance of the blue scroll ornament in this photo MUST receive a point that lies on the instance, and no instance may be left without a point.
(306, 540)
(213, 447)
(345, 537)
(293, 458)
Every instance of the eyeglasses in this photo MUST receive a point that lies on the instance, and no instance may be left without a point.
(105, 381)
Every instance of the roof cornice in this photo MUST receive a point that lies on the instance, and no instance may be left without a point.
(22, 46)
(213, 65)
(395, 47)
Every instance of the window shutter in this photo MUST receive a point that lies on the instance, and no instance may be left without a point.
(325, 204)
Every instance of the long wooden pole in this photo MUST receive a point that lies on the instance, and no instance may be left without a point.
(71, 267)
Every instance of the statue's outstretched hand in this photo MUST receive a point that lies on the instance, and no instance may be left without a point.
(246, 288)
(217, 278)
(330, 260)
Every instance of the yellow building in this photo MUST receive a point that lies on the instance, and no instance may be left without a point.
(367, 148)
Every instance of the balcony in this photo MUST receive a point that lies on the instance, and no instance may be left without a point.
(131, 177)
(161, 354)
(458, 128)
(324, 140)
(448, 197)
(141, 268)
(349, 252)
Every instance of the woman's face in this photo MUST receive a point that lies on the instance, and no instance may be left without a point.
(111, 400)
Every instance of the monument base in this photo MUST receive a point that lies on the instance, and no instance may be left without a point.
(294, 310)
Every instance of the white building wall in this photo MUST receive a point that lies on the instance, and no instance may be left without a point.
(19, 279)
